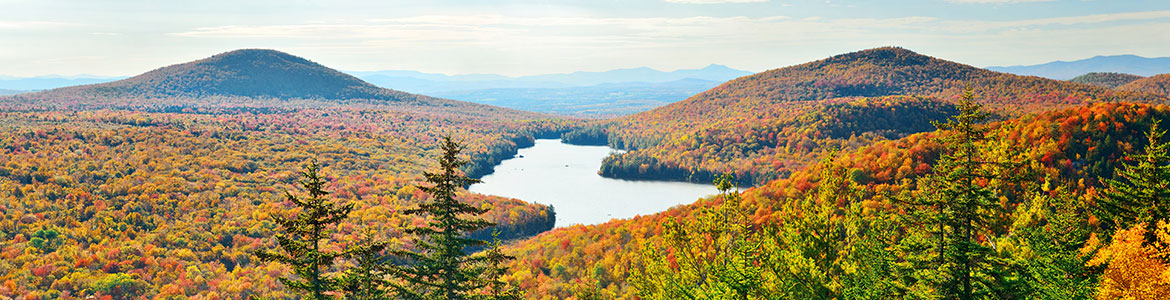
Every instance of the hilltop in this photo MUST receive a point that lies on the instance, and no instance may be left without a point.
(741, 126)
(250, 73)
(1077, 145)
(1063, 70)
(1105, 79)
(187, 166)
(1158, 84)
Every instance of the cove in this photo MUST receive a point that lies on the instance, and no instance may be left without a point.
(565, 176)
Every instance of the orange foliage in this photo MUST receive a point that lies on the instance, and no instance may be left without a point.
(1135, 269)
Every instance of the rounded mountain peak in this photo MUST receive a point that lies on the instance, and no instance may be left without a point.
(260, 73)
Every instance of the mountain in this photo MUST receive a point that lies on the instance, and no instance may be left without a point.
(252, 73)
(430, 83)
(741, 127)
(582, 94)
(597, 101)
(1064, 70)
(1076, 146)
(51, 81)
(4, 92)
(1105, 79)
(1158, 84)
(197, 157)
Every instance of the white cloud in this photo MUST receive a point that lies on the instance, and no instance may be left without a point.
(997, 1)
(24, 25)
(714, 1)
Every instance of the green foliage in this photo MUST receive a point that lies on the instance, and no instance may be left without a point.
(367, 280)
(120, 286)
(303, 235)
(1049, 231)
(440, 268)
(956, 209)
(1106, 79)
(494, 260)
(1140, 190)
(45, 239)
(715, 256)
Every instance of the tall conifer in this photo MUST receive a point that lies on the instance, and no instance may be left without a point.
(956, 206)
(441, 268)
(302, 241)
(1140, 193)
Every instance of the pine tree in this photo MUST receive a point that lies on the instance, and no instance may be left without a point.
(367, 280)
(494, 258)
(714, 256)
(1142, 195)
(440, 268)
(305, 231)
(956, 210)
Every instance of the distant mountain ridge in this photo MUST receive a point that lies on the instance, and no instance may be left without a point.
(1064, 70)
(1106, 79)
(426, 83)
(1157, 84)
(739, 127)
(51, 81)
(582, 94)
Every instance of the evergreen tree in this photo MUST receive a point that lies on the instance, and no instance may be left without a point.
(1048, 233)
(440, 268)
(494, 258)
(956, 209)
(1142, 194)
(367, 280)
(714, 256)
(305, 231)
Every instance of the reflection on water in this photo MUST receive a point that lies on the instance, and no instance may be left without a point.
(565, 176)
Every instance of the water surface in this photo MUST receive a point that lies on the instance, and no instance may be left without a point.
(565, 176)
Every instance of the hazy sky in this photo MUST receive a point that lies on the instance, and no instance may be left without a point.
(520, 37)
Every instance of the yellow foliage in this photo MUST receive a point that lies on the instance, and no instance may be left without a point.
(1135, 270)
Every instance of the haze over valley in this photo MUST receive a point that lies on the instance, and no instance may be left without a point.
(257, 150)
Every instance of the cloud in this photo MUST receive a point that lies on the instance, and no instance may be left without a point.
(996, 1)
(459, 43)
(977, 26)
(24, 25)
(714, 1)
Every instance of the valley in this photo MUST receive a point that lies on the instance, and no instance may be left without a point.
(166, 184)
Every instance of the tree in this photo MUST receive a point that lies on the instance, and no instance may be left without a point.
(1048, 233)
(1135, 267)
(715, 256)
(494, 258)
(1142, 194)
(367, 280)
(955, 207)
(440, 268)
(304, 233)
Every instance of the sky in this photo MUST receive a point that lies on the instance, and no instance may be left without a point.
(527, 37)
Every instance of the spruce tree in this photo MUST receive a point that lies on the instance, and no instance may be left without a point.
(367, 279)
(956, 209)
(441, 268)
(494, 259)
(1140, 193)
(302, 241)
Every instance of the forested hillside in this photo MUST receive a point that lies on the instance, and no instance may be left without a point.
(1157, 84)
(125, 191)
(729, 129)
(1055, 161)
(1105, 79)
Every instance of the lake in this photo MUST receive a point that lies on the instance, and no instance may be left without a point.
(565, 176)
